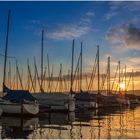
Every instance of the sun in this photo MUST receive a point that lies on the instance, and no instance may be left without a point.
(122, 86)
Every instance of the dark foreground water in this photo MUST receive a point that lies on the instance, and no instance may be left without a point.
(103, 123)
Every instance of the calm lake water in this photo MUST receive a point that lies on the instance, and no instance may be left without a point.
(103, 123)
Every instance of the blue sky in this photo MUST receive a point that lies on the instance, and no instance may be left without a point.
(112, 25)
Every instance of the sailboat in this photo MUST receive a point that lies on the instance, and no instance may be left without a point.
(52, 101)
(83, 99)
(112, 100)
(122, 99)
(16, 101)
(132, 97)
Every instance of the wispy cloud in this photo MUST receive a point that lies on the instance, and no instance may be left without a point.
(133, 63)
(72, 30)
(68, 32)
(90, 13)
(60, 31)
(132, 6)
(110, 14)
(126, 5)
(36, 26)
(116, 6)
(113, 10)
(127, 36)
(135, 60)
(36, 22)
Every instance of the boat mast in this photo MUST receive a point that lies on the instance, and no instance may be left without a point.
(71, 88)
(86, 82)
(119, 75)
(9, 75)
(81, 69)
(21, 74)
(65, 84)
(98, 67)
(13, 85)
(108, 77)
(17, 79)
(133, 81)
(125, 79)
(35, 75)
(18, 74)
(5, 60)
(28, 79)
(44, 75)
(78, 81)
(68, 79)
(51, 78)
(30, 75)
(49, 86)
(93, 73)
(41, 88)
(60, 79)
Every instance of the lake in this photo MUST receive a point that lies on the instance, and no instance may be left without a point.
(121, 122)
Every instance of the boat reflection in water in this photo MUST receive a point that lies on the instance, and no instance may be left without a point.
(15, 127)
(104, 123)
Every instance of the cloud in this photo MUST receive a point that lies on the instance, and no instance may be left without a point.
(133, 63)
(113, 10)
(90, 14)
(110, 14)
(127, 36)
(60, 31)
(33, 21)
(72, 30)
(35, 26)
(135, 60)
(136, 19)
(132, 6)
(126, 5)
(68, 32)
(116, 6)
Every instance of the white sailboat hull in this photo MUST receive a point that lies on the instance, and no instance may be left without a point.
(17, 108)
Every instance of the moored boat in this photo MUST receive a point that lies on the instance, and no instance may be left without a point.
(18, 102)
(86, 100)
(55, 101)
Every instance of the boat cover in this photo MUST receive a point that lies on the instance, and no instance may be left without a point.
(17, 95)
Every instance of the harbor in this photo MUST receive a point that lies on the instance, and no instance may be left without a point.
(61, 101)
(62, 88)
